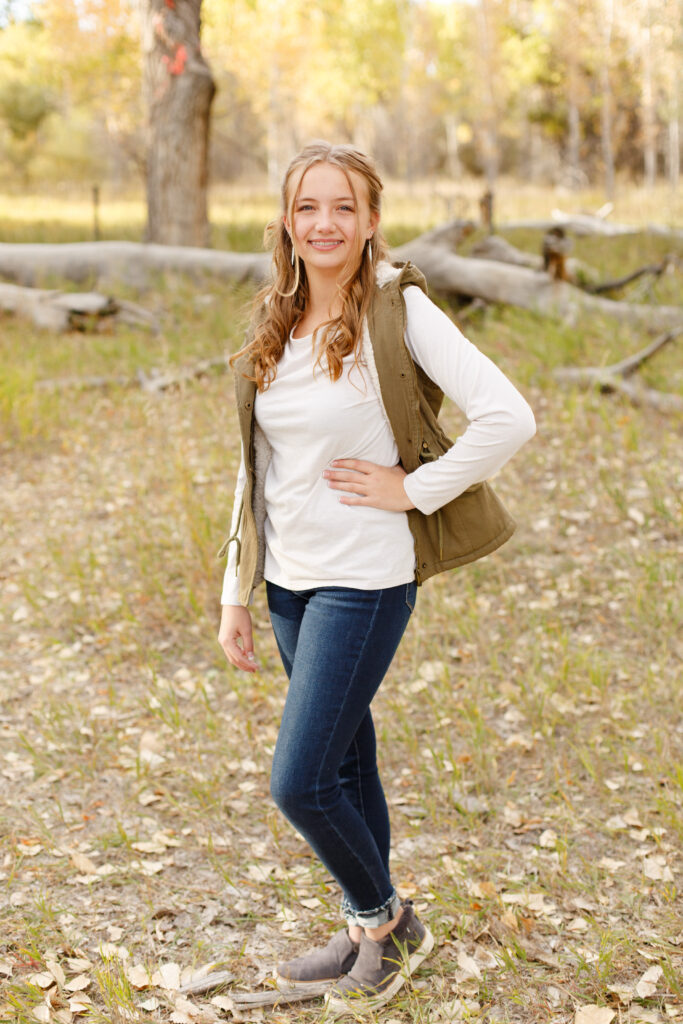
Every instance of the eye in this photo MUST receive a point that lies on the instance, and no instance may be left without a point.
(346, 208)
(304, 207)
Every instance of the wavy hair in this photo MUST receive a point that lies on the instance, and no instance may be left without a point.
(280, 306)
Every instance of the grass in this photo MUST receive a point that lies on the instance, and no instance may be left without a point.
(530, 728)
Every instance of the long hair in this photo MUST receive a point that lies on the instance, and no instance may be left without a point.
(280, 306)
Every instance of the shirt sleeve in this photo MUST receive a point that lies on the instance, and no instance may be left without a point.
(500, 420)
(231, 588)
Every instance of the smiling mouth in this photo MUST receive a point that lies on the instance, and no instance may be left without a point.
(320, 244)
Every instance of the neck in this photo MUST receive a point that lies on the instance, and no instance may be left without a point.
(323, 296)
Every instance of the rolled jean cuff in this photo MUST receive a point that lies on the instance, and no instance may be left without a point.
(372, 918)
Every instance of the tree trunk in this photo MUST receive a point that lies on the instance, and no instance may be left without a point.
(606, 90)
(673, 161)
(489, 119)
(179, 89)
(648, 102)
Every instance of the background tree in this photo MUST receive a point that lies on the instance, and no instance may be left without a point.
(179, 90)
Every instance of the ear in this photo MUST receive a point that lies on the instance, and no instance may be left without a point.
(374, 223)
(288, 226)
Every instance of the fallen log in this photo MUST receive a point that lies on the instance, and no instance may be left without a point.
(613, 378)
(581, 275)
(154, 382)
(133, 263)
(61, 311)
(451, 274)
(590, 224)
(446, 272)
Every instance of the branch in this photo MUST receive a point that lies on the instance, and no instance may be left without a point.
(154, 382)
(612, 378)
(621, 282)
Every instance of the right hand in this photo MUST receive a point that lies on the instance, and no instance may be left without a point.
(236, 638)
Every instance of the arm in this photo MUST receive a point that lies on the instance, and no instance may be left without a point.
(235, 632)
(500, 419)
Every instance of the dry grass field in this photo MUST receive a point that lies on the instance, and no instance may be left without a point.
(531, 727)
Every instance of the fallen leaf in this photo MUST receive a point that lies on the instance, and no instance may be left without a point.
(146, 798)
(548, 839)
(623, 993)
(78, 964)
(611, 865)
(592, 1014)
(150, 1004)
(56, 971)
(42, 980)
(647, 985)
(42, 1013)
(6, 968)
(168, 976)
(222, 1002)
(83, 864)
(578, 924)
(77, 984)
(110, 951)
(138, 976)
(311, 904)
(657, 869)
(469, 965)
(80, 1003)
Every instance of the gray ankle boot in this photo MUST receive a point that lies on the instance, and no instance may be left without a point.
(320, 965)
(382, 967)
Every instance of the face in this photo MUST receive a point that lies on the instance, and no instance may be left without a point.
(330, 226)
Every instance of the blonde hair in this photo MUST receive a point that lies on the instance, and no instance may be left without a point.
(280, 306)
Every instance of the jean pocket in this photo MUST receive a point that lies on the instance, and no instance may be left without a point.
(411, 594)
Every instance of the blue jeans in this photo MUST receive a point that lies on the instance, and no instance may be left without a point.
(336, 645)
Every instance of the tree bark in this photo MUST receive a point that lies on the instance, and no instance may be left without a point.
(179, 90)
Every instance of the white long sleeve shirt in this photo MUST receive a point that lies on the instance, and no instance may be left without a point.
(312, 539)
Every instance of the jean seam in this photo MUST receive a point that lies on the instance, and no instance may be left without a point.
(330, 824)
(358, 779)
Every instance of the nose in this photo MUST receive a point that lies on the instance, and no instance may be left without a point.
(324, 220)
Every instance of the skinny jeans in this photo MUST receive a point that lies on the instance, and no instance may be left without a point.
(336, 645)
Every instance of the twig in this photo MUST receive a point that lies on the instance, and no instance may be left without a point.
(621, 282)
(612, 378)
(243, 1000)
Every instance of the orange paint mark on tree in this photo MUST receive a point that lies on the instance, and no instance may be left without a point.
(171, 4)
(176, 65)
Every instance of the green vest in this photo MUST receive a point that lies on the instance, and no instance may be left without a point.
(472, 525)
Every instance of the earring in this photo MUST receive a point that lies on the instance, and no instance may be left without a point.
(293, 256)
(370, 249)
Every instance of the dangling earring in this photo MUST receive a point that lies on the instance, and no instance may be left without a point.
(293, 256)
(370, 249)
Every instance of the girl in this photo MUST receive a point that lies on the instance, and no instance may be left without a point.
(349, 495)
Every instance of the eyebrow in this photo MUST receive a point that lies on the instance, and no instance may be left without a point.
(313, 199)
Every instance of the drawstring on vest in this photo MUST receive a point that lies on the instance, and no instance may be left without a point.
(234, 538)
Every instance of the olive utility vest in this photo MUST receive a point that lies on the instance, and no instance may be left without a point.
(472, 525)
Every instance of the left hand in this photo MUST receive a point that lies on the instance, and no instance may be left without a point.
(366, 483)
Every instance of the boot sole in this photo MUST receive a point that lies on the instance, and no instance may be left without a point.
(287, 985)
(358, 1004)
